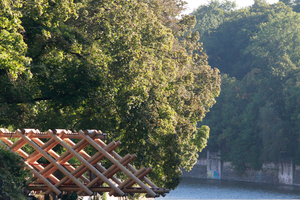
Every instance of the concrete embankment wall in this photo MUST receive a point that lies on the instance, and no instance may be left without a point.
(213, 168)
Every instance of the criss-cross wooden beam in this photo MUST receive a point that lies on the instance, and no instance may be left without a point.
(110, 171)
(56, 156)
(130, 167)
(95, 159)
(25, 155)
(108, 156)
(82, 168)
(89, 163)
(50, 159)
(95, 162)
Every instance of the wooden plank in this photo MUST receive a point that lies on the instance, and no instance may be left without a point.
(130, 167)
(88, 165)
(108, 156)
(51, 160)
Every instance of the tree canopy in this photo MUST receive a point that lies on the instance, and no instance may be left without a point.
(129, 68)
(256, 118)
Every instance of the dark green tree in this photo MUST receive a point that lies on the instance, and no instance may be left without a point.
(13, 175)
(118, 67)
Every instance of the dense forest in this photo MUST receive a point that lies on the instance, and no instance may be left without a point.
(256, 119)
(129, 68)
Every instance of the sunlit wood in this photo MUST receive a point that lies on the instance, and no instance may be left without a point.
(49, 183)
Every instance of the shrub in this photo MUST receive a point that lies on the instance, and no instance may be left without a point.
(13, 175)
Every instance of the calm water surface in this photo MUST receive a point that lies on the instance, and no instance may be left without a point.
(190, 188)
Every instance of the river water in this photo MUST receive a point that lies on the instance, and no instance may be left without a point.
(192, 188)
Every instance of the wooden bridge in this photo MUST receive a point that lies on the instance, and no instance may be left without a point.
(75, 177)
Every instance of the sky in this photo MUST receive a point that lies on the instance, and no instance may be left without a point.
(193, 4)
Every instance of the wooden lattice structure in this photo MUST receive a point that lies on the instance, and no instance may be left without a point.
(74, 176)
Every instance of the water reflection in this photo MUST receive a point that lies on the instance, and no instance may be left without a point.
(191, 188)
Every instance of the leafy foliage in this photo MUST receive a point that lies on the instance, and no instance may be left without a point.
(256, 118)
(13, 176)
(129, 68)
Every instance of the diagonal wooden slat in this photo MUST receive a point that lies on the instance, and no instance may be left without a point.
(56, 156)
(128, 180)
(46, 147)
(110, 171)
(89, 137)
(108, 156)
(140, 176)
(63, 158)
(18, 144)
(109, 147)
(94, 159)
(51, 160)
(116, 169)
(95, 162)
(88, 165)
(130, 167)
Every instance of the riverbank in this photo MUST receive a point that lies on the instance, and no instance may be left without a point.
(211, 167)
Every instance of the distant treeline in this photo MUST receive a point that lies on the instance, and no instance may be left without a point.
(257, 49)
